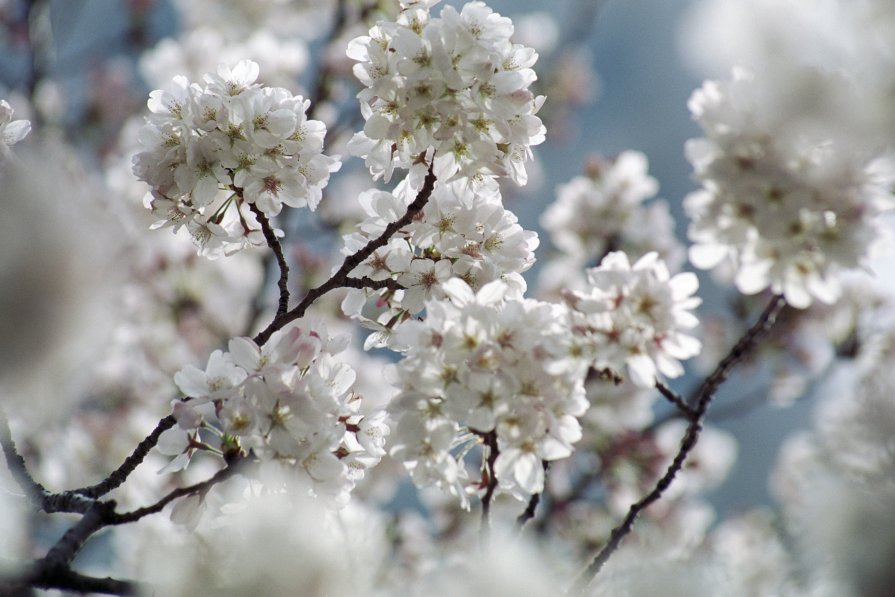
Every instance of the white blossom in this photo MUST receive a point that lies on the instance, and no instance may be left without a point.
(634, 320)
(461, 234)
(11, 131)
(210, 151)
(484, 363)
(453, 84)
(289, 401)
(787, 213)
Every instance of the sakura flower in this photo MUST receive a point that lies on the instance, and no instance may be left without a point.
(634, 319)
(486, 363)
(288, 401)
(218, 381)
(209, 152)
(464, 232)
(11, 131)
(785, 210)
(455, 85)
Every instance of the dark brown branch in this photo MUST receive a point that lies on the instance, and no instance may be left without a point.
(61, 555)
(274, 243)
(532, 506)
(16, 464)
(120, 475)
(69, 580)
(236, 467)
(372, 284)
(675, 399)
(338, 279)
(39, 497)
(704, 396)
(490, 440)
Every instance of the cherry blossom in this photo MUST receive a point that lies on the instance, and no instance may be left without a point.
(483, 363)
(634, 319)
(211, 151)
(786, 213)
(454, 84)
(11, 131)
(289, 401)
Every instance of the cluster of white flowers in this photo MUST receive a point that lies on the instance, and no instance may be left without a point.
(460, 234)
(456, 85)
(11, 131)
(785, 212)
(634, 319)
(484, 364)
(289, 401)
(604, 211)
(211, 151)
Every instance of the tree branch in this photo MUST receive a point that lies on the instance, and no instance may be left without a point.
(231, 470)
(120, 475)
(704, 396)
(61, 555)
(674, 398)
(532, 506)
(490, 440)
(340, 278)
(16, 464)
(274, 243)
(69, 580)
(389, 283)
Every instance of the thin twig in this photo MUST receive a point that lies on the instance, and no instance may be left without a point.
(532, 506)
(490, 440)
(274, 243)
(338, 279)
(120, 475)
(235, 467)
(704, 396)
(16, 464)
(674, 398)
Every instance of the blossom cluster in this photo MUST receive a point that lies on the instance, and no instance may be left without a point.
(455, 85)
(604, 211)
(288, 401)
(11, 131)
(484, 365)
(212, 151)
(786, 212)
(633, 322)
(460, 234)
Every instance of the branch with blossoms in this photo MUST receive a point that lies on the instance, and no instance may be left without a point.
(703, 399)
(495, 399)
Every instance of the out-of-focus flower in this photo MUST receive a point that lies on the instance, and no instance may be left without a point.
(604, 211)
(57, 275)
(274, 541)
(786, 212)
(11, 131)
